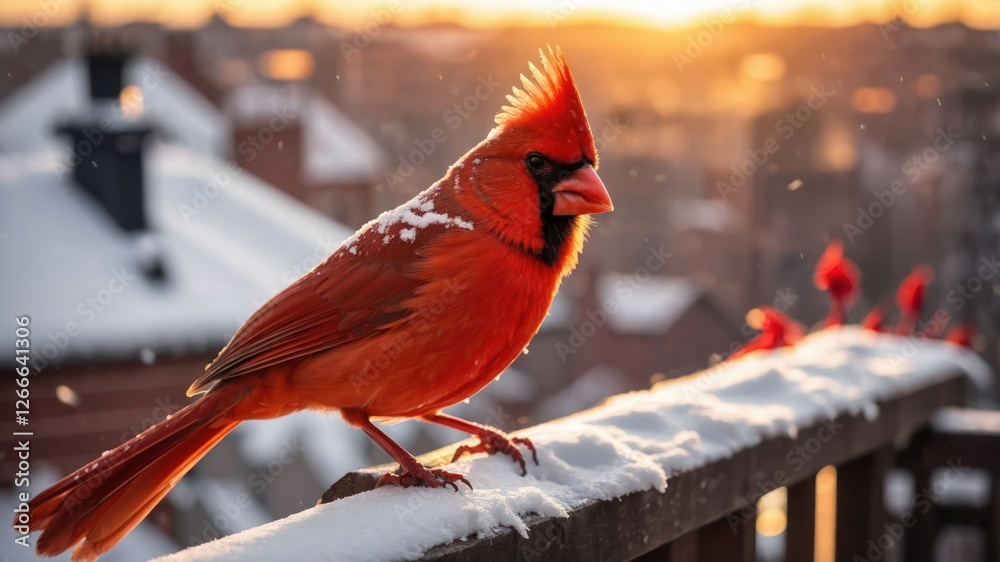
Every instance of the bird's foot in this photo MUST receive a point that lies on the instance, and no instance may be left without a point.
(420, 476)
(491, 441)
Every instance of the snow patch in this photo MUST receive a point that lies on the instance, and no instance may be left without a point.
(222, 262)
(650, 307)
(418, 213)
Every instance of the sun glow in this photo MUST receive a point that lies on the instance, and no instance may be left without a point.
(271, 13)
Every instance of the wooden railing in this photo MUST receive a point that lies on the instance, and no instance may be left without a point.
(708, 514)
(973, 437)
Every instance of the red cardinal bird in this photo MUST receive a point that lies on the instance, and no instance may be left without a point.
(419, 310)
(875, 319)
(962, 334)
(776, 330)
(910, 298)
(839, 276)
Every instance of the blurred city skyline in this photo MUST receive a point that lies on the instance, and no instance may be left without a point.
(277, 13)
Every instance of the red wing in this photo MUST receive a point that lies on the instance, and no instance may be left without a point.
(351, 297)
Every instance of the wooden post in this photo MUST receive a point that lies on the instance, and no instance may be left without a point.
(860, 510)
(992, 534)
(921, 539)
(722, 540)
(682, 549)
(800, 533)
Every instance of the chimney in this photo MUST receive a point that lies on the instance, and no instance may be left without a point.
(107, 146)
(275, 156)
(181, 55)
(106, 73)
(111, 171)
(269, 135)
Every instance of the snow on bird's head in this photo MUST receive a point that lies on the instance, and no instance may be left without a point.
(549, 108)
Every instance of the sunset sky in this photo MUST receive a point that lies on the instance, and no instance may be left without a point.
(188, 13)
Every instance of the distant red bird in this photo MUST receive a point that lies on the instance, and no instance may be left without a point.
(910, 298)
(776, 330)
(963, 334)
(839, 276)
(875, 319)
(419, 310)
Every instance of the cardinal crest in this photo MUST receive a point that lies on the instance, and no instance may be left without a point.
(549, 104)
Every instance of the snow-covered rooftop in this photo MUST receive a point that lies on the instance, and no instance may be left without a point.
(634, 442)
(225, 250)
(336, 149)
(648, 306)
(62, 91)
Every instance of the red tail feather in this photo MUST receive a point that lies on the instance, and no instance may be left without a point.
(101, 502)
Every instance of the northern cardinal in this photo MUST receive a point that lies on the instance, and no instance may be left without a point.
(839, 276)
(963, 334)
(875, 319)
(910, 298)
(419, 310)
(776, 330)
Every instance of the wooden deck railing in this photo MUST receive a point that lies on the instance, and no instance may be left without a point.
(973, 436)
(707, 514)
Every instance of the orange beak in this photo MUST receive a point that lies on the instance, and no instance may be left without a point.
(583, 193)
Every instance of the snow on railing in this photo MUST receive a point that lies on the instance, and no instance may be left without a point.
(649, 469)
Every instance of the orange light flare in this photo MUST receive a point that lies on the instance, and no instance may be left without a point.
(130, 100)
(647, 13)
(826, 514)
(873, 100)
(288, 64)
(772, 512)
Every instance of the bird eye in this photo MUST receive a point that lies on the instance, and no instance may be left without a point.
(536, 162)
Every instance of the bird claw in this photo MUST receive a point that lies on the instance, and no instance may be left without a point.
(495, 442)
(430, 478)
